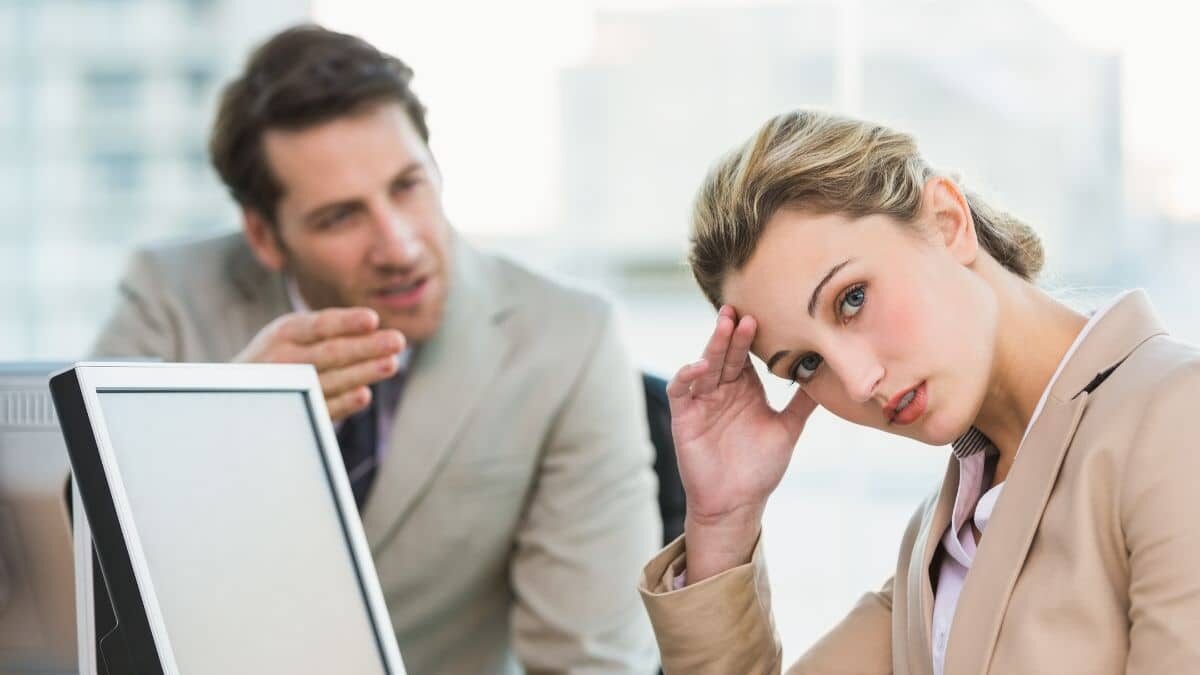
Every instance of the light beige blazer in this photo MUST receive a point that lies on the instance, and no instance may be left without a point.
(516, 501)
(1090, 562)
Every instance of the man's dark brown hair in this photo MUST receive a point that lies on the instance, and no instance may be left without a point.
(301, 77)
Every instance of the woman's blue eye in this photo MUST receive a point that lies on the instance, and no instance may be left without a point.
(806, 366)
(853, 301)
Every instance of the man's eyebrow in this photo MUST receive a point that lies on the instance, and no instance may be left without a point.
(316, 213)
(405, 172)
(812, 301)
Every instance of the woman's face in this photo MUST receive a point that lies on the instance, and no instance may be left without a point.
(866, 314)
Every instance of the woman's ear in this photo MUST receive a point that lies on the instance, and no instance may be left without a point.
(944, 208)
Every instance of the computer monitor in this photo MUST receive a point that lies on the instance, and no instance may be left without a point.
(223, 521)
(37, 569)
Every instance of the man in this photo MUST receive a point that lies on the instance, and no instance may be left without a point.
(492, 424)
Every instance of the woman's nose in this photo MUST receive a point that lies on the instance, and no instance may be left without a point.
(860, 374)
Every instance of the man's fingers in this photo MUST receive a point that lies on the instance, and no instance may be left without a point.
(348, 403)
(715, 350)
(738, 355)
(681, 385)
(340, 380)
(345, 351)
(311, 327)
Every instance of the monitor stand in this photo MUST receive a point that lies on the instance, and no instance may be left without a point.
(102, 648)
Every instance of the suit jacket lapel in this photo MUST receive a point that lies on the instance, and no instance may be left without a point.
(920, 589)
(448, 377)
(1014, 522)
(1010, 532)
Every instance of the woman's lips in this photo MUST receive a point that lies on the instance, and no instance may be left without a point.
(403, 297)
(914, 410)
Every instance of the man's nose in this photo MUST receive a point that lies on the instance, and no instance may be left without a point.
(396, 239)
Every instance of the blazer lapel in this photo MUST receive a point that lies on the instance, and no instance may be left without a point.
(448, 377)
(1010, 532)
(1014, 523)
(920, 588)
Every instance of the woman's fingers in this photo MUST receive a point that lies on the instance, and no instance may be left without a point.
(727, 352)
(738, 354)
(715, 350)
(680, 386)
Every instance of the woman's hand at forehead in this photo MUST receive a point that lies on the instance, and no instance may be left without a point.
(732, 446)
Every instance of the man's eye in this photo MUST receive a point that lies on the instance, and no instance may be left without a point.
(806, 366)
(335, 218)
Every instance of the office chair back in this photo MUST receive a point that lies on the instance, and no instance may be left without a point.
(671, 501)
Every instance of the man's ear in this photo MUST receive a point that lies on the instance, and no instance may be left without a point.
(947, 213)
(263, 239)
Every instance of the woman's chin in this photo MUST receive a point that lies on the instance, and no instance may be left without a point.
(931, 429)
(937, 433)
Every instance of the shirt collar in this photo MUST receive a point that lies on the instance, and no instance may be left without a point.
(976, 497)
(973, 440)
(295, 299)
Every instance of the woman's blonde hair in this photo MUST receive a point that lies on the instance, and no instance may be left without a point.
(825, 163)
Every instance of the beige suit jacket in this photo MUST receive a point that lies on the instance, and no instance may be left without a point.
(1090, 562)
(516, 500)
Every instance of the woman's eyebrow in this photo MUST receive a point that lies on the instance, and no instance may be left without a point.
(812, 307)
(775, 357)
(812, 302)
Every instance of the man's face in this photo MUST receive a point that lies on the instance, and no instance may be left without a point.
(360, 222)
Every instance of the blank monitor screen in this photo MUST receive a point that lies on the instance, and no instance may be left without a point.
(228, 489)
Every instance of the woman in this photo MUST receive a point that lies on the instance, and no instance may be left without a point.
(1062, 539)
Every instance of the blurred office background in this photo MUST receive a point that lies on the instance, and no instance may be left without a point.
(572, 134)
